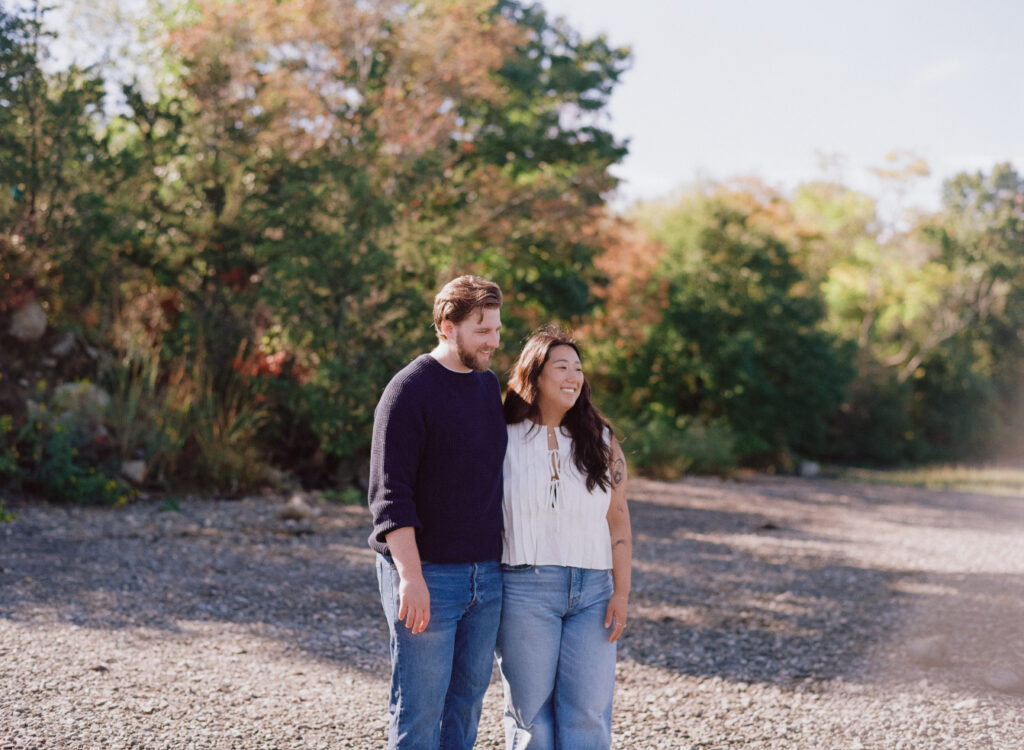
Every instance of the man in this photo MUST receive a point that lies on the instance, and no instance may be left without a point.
(435, 495)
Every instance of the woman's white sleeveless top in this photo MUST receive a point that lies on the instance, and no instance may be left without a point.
(550, 518)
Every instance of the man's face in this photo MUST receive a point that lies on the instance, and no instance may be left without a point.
(477, 337)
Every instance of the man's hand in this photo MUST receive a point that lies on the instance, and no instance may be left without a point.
(414, 603)
(413, 594)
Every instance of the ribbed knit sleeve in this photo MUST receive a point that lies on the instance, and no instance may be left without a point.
(398, 438)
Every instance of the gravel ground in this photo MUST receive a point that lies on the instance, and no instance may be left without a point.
(766, 613)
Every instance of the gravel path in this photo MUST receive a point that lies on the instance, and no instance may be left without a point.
(767, 613)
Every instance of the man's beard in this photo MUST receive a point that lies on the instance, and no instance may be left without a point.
(472, 360)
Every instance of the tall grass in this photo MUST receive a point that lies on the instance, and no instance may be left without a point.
(185, 425)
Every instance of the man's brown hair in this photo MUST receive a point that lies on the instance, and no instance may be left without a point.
(460, 297)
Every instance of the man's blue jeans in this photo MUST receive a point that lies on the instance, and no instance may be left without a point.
(439, 676)
(557, 666)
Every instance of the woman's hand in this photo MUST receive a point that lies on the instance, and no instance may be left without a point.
(616, 615)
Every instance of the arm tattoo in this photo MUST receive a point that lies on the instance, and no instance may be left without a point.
(618, 542)
(618, 471)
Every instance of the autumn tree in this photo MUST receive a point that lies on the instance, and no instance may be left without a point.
(322, 166)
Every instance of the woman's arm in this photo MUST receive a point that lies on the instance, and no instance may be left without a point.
(622, 544)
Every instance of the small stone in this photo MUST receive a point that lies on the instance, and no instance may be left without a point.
(809, 469)
(297, 509)
(81, 398)
(134, 471)
(1005, 678)
(932, 650)
(28, 323)
(64, 346)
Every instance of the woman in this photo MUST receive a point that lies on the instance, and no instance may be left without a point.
(566, 557)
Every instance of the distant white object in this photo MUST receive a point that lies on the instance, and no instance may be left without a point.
(82, 397)
(64, 346)
(134, 471)
(28, 323)
(810, 468)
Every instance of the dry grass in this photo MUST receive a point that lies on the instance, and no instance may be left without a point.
(994, 480)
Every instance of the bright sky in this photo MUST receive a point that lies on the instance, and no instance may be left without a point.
(723, 88)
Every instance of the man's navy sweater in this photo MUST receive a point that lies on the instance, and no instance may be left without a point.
(435, 463)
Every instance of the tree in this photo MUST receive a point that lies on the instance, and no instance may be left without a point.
(980, 238)
(738, 338)
(59, 174)
(333, 162)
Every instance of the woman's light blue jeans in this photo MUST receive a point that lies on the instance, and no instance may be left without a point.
(557, 666)
(439, 676)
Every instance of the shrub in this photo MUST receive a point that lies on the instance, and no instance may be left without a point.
(54, 457)
(668, 449)
(5, 515)
(346, 496)
(187, 422)
(223, 430)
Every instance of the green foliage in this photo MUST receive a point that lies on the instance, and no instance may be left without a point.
(6, 516)
(224, 425)
(875, 425)
(246, 255)
(212, 224)
(346, 496)
(936, 316)
(56, 458)
(9, 455)
(738, 341)
(170, 505)
(668, 449)
(58, 173)
(148, 413)
(980, 233)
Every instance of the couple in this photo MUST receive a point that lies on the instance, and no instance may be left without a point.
(498, 531)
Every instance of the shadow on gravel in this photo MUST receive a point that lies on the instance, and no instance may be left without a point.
(709, 598)
(314, 592)
(792, 608)
(742, 616)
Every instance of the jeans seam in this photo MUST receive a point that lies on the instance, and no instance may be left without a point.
(473, 587)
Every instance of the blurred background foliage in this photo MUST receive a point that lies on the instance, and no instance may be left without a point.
(239, 246)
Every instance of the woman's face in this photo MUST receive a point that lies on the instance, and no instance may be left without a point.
(560, 381)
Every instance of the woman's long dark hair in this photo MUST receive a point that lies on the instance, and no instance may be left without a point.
(583, 421)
